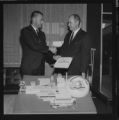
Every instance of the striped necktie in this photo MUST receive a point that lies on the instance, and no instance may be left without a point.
(71, 37)
(37, 31)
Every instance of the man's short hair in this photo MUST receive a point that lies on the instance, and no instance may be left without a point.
(34, 14)
(76, 17)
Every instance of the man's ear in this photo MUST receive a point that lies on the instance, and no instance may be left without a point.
(77, 22)
(80, 24)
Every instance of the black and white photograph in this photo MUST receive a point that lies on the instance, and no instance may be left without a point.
(57, 58)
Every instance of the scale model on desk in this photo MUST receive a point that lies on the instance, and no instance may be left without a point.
(65, 92)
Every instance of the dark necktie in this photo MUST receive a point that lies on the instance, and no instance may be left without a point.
(71, 37)
(37, 31)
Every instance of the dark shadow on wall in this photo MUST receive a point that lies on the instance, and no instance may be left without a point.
(93, 29)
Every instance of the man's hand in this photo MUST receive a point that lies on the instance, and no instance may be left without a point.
(56, 57)
(53, 49)
(84, 75)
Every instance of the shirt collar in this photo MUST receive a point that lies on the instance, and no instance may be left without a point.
(75, 32)
(34, 28)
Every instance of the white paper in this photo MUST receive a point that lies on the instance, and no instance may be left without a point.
(63, 62)
(57, 43)
(40, 90)
(32, 90)
(68, 101)
(47, 92)
(44, 81)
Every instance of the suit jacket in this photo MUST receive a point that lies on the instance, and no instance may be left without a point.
(79, 49)
(34, 52)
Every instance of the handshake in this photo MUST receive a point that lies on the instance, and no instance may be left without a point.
(54, 51)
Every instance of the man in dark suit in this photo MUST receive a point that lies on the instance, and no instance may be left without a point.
(77, 45)
(34, 49)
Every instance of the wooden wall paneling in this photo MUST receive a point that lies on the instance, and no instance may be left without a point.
(11, 34)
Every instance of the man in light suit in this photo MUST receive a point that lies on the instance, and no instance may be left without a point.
(34, 49)
(77, 45)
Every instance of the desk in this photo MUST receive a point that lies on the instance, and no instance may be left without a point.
(31, 104)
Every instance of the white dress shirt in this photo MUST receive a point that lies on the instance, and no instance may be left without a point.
(75, 32)
(35, 29)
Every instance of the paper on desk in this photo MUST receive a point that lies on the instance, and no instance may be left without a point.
(47, 94)
(40, 90)
(64, 102)
(44, 81)
(50, 99)
(32, 90)
(63, 62)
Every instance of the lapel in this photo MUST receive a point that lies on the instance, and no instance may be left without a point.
(31, 28)
(34, 32)
(77, 37)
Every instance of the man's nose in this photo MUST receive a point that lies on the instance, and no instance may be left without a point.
(42, 22)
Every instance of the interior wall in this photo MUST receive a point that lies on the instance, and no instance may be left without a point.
(16, 16)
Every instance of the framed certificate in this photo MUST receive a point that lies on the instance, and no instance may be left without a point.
(63, 62)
